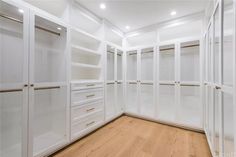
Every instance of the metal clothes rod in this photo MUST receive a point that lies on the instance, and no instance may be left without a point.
(114, 53)
(147, 83)
(110, 83)
(196, 45)
(167, 49)
(132, 82)
(45, 88)
(11, 90)
(167, 84)
(38, 27)
(148, 51)
(190, 85)
(133, 53)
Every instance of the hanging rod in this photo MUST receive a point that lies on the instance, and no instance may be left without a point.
(147, 83)
(135, 53)
(166, 84)
(45, 88)
(10, 90)
(113, 53)
(167, 49)
(38, 27)
(195, 45)
(190, 85)
(148, 51)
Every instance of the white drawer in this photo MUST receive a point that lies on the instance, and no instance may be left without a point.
(80, 111)
(85, 96)
(86, 123)
(87, 85)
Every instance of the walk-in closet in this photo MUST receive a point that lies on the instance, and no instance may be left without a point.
(120, 78)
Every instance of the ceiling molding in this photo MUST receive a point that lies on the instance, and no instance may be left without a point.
(154, 27)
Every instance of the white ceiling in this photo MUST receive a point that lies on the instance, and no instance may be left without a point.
(140, 13)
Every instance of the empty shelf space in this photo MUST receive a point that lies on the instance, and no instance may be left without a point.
(84, 51)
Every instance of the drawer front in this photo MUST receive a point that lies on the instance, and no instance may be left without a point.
(80, 111)
(86, 123)
(82, 86)
(81, 97)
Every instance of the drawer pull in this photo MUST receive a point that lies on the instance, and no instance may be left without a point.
(92, 95)
(89, 85)
(91, 109)
(90, 123)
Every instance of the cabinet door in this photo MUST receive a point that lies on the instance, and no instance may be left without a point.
(147, 107)
(190, 108)
(110, 63)
(13, 80)
(48, 90)
(120, 81)
(48, 51)
(110, 100)
(132, 103)
(166, 109)
(49, 118)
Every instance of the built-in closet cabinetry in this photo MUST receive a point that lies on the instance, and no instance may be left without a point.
(179, 83)
(33, 82)
(13, 80)
(48, 84)
(114, 82)
(219, 81)
(87, 91)
(140, 65)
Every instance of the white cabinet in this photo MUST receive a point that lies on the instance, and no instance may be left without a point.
(167, 67)
(179, 83)
(33, 83)
(140, 81)
(48, 86)
(13, 79)
(114, 82)
(87, 108)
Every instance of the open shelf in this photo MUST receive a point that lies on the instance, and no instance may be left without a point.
(82, 50)
(81, 65)
(84, 39)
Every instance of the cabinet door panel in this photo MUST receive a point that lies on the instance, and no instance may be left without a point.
(147, 107)
(49, 121)
(132, 93)
(228, 123)
(167, 106)
(190, 108)
(110, 101)
(11, 123)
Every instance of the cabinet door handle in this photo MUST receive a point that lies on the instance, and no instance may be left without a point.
(217, 87)
(91, 109)
(92, 95)
(89, 85)
(88, 124)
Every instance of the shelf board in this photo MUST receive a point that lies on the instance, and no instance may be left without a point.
(85, 50)
(85, 34)
(86, 65)
(86, 81)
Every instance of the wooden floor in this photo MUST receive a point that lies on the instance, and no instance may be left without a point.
(131, 137)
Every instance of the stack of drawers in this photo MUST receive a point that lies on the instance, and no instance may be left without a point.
(87, 108)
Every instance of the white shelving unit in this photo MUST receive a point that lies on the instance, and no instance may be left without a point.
(86, 56)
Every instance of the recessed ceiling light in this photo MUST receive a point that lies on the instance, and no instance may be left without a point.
(127, 27)
(59, 28)
(173, 13)
(21, 10)
(103, 6)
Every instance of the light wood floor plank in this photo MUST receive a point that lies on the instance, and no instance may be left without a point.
(131, 137)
